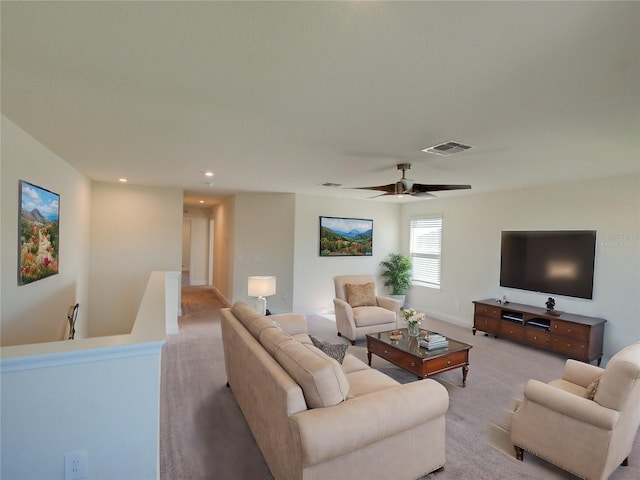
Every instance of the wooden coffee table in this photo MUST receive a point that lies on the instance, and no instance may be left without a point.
(409, 355)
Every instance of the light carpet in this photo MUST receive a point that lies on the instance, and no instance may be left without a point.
(203, 434)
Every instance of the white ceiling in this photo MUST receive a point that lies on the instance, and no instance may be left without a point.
(282, 97)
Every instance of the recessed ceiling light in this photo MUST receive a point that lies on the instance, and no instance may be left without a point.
(122, 180)
(208, 174)
(201, 201)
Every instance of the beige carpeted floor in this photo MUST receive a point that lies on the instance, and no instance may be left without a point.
(203, 434)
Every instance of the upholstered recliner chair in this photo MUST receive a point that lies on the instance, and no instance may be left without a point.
(585, 422)
(358, 308)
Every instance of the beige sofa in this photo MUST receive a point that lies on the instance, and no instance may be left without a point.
(586, 421)
(315, 418)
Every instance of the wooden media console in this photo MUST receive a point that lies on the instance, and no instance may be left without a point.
(576, 336)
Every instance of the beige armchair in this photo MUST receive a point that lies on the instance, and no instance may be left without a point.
(359, 310)
(560, 423)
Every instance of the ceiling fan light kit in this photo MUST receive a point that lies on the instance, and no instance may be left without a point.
(406, 186)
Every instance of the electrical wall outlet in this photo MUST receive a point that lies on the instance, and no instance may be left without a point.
(75, 465)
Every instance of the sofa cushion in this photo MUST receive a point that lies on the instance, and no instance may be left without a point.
(271, 338)
(321, 378)
(568, 387)
(368, 381)
(251, 319)
(353, 364)
(302, 338)
(361, 295)
(244, 312)
(367, 316)
(334, 350)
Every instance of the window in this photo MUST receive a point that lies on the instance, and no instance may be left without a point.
(425, 250)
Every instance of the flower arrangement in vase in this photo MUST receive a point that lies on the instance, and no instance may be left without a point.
(413, 319)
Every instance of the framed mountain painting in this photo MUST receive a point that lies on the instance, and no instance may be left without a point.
(346, 237)
(38, 240)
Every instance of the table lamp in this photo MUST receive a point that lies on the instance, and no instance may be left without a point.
(261, 287)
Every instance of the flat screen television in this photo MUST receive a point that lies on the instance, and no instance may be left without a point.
(557, 262)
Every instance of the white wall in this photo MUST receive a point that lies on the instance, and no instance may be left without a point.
(47, 412)
(223, 246)
(36, 312)
(198, 218)
(313, 275)
(471, 249)
(186, 244)
(264, 245)
(134, 231)
(97, 394)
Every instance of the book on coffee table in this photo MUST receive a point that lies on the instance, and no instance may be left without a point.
(434, 341)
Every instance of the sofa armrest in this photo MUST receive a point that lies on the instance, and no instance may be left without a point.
(292, 323)
(344, 318)
(569, 405)
(388, 304)
(326, 433)
(580, 373)
(343, 308)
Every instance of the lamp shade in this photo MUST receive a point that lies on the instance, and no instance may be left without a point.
(261, 286)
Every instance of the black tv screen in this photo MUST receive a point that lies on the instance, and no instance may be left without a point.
(554, 262)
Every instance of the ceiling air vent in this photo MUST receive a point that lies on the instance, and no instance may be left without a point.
(447, 148)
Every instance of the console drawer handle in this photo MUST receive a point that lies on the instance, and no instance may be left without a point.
(448, 362)
(413, 364)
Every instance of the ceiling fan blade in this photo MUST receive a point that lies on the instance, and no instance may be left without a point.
(381, 188)
(423, 195)
(381, 195)
(407, 186)
(419, 187)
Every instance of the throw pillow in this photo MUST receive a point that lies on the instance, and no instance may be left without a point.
(590, 393)
(336, 351)
(361, 295)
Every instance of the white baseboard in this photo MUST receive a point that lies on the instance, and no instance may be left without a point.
(448, 318)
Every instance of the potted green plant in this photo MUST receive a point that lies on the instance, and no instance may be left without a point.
(397, 275)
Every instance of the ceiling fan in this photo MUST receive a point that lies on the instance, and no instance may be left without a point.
(406, 186)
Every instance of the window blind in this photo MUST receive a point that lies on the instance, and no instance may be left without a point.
(425, 250)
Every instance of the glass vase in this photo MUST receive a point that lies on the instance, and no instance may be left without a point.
(414, 329)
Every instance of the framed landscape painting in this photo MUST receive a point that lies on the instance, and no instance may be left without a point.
(38, 240)
(346, 237)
